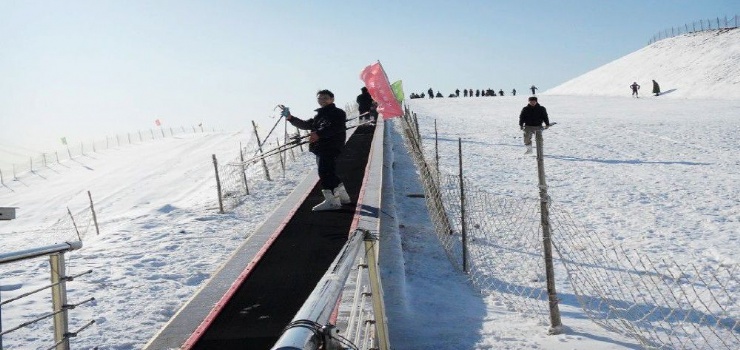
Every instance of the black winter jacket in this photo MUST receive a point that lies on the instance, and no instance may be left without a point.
(533, 116)
(330, 124)
(365, 102)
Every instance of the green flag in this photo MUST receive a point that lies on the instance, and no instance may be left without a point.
(397, 88)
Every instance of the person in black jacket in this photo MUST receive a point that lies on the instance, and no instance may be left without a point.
(365, 103)
(531, 119)
(326, 140)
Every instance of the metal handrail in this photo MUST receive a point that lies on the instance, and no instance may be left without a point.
(38, 252)
(58, 288)
(306, 330)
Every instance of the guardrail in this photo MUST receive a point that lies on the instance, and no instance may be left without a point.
(58, 288)
(310, 329)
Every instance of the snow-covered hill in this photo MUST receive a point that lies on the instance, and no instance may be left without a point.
(698, 65)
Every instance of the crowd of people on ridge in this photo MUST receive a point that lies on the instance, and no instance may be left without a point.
(467, 93)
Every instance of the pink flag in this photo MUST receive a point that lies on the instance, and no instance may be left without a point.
(380, 89)
(157, 122)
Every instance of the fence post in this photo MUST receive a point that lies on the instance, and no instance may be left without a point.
(59, 300)
(280, 154)
(244, 169)
(300, 145)
(218, 186)
(463, 225)
(555, 322)
(259, 147)
(74, 224)
(95, 218)
(436, 149)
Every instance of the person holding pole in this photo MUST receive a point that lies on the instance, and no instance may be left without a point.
(326, 140)
(531, 119)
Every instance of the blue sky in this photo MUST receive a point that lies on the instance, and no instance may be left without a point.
(87, 69)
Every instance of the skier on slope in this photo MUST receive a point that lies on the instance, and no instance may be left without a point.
(656, 88)
(531, 119)
(326, 141)
(634, 88)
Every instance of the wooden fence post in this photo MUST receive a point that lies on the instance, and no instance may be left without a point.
(463, 224)
(555, 322)
(244, 168)
(259, 146)
(95, 217)
(218, 186)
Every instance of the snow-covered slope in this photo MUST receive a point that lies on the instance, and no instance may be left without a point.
(697, 65)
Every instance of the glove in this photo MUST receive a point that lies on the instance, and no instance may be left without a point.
(521, 127)
(286, 112)
(547, 126)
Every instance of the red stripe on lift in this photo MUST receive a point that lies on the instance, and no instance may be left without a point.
(193, 339)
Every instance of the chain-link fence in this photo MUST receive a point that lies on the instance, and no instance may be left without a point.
(660, 303)
(697, 26)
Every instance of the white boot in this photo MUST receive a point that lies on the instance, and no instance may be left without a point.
(341, 192)
(529, 149)
(331, 202)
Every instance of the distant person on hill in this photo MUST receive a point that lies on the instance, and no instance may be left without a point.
(634, 88)
(465, 93)
(326, 141)
(477, 93)
(365, 103)
(513, 92)
(431, 93)
(470, 92)
(531, 119)
(501, 92)
(656, 88)
(533, 88)
(439, 94)
(457, 93)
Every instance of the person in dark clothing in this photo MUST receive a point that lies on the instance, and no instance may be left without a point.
(531, 119)
(326, 140)
(457, 92)
(533, 88)
(470, 92)
(477, 93)
(465, 93)
(439, 94)
(656, 88)
(501, 92)
(634, 88)
(365, 104)
(513, 92)
(431, 93)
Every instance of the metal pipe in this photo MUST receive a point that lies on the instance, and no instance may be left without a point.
(318, 307)
(37, 252)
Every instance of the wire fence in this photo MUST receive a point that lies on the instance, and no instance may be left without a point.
(72, 150)
(658, 302)
(697, 26)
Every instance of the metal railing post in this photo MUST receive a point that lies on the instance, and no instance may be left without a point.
(381, 324)
(59, 300)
